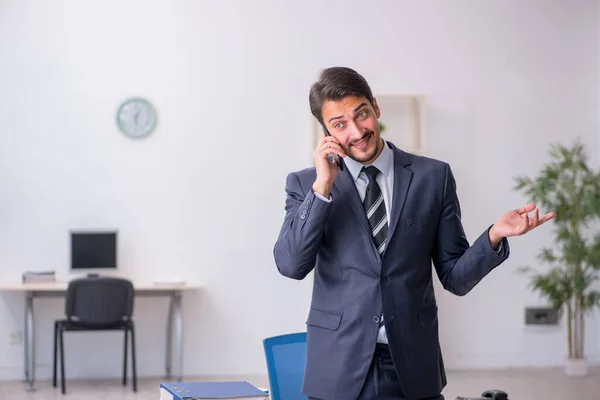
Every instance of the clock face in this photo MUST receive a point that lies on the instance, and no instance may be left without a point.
(136, 117)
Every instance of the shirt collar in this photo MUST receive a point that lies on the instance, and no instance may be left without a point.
(383, 162)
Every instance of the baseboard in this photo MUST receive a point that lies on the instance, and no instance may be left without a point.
(12, 373)
(44, 373)
(505, 361)
(452, 363)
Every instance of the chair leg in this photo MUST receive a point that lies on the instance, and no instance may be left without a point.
(55, 354)
(125, 358)
(62, 360)
(133, 366)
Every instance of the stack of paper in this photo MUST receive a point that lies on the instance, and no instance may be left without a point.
(39, 276)
(237, 390)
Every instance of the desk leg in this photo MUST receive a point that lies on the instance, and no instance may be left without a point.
(179, 332)
(26, 339)
(29, 328)
(169, 352)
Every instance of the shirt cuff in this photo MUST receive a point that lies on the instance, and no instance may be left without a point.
(499, 251)
(322, 197)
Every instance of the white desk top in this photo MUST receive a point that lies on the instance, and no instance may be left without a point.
(59, 286)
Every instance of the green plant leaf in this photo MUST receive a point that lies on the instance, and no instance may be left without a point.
(592, 300)
(524, 270)
(547, 255)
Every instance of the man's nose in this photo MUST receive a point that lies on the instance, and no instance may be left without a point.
(356, 132)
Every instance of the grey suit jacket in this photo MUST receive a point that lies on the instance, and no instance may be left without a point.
(353, 285)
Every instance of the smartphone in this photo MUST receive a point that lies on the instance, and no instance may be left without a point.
(334, 157)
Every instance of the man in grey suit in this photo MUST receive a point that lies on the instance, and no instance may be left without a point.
(370, 224)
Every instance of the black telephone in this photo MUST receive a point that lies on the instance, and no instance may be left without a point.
(493, 394)
(334, 157)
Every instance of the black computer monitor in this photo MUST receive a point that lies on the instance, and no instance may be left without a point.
(93, 250)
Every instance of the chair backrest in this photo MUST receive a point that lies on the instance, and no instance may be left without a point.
(99, 300)
(286, 359)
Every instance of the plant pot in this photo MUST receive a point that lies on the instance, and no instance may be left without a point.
(576, 367)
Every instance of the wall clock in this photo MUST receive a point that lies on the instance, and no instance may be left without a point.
(136, 117)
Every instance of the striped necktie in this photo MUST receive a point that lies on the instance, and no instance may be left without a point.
(375, 208)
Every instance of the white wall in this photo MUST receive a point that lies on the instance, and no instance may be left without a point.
(203, 197)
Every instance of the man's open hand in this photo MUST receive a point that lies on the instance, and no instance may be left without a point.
(517, 222)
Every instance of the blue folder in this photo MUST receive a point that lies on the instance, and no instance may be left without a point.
(213, 390)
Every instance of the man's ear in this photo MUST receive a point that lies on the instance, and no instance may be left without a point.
(376, 108)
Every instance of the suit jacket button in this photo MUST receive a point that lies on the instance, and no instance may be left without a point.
(383, 279)
(303, 216)
(376, 319)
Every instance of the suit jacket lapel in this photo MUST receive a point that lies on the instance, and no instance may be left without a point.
(344, 186)
(402, 177)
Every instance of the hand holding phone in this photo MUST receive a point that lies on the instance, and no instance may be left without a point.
(334, 158)
(328, 162)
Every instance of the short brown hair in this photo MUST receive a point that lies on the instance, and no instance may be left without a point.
(335, 83)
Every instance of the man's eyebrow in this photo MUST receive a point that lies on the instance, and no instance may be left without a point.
(332, 118)
(359, 106)
(355, 110)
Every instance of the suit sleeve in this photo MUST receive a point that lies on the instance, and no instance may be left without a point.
(301, 234)
(459, 266)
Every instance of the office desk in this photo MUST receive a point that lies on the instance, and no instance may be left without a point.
(59, 289)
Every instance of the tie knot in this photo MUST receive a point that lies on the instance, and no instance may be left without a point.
(371, 172)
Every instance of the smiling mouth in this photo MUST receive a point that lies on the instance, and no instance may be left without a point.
(362, 143)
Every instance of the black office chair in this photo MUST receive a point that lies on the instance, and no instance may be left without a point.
(97, 304)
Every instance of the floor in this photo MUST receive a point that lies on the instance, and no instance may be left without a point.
(521, 384)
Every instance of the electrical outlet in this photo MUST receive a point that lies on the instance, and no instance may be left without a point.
(541, 316)
(16, 338)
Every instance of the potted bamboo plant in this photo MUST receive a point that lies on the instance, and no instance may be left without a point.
(571, 188)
